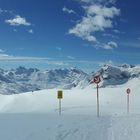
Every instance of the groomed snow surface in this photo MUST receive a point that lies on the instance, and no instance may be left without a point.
(34, 115)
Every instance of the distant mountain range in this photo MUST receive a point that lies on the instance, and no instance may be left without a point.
(23, 80)
(117, 75)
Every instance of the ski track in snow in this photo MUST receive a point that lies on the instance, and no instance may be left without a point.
(71, 127)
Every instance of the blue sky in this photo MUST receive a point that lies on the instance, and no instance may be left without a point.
(69, 33)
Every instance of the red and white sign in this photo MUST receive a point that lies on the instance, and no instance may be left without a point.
(97, 79)
(128, 91)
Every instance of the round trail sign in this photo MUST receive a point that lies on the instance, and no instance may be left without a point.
(97, 79)
(128, 91)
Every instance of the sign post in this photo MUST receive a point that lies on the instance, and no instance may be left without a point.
(128, 92)
(59, 96)
(97, 81)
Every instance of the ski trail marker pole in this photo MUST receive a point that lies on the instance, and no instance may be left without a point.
(60, 96)
(128, 102)
(97, 80)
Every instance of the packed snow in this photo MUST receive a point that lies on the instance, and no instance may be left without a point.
(34, 115)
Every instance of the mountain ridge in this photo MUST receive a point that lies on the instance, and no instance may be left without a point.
(24, 79)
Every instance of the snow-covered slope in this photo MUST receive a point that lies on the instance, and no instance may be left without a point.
(76, 101)
(50, 127)
(34, 116)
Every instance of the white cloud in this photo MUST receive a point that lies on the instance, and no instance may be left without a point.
(71, 57)
(97, 18)
(17, 21)
(102, 11)
(31, 31)
(69, 11)
(110, 45)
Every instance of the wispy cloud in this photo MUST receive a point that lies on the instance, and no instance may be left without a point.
(17, 21)
(15, 30)
(40, 62)
(108, 46)
(110, 35)
(71, 57)
(2, 11)
(2, 51)
(111, 45)
(31, 31)
(69, 11)
(33, 60)
(118, 32)
(6, 57)
(59, 48)
(109, 62)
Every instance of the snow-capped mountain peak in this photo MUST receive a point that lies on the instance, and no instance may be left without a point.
(24, 79)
